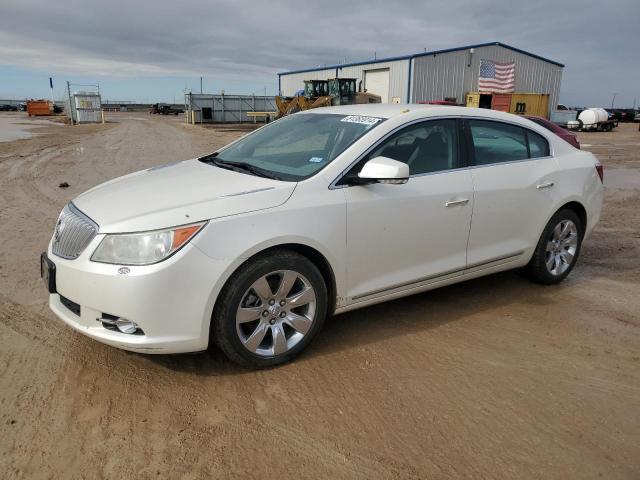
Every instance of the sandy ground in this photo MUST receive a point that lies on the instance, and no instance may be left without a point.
(493, 378)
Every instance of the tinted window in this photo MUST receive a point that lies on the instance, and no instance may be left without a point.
(495, 142)
(426, 147)
(297, 146)
(538, 145)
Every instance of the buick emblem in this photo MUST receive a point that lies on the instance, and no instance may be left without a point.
(123, 270)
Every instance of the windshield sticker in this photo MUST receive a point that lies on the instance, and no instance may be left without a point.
(362, 120)
(315, 160)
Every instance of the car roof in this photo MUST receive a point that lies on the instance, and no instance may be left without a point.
(383, 110)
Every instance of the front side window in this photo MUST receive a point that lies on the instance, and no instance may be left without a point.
(427, 147)
(495, 142)
(294, 147)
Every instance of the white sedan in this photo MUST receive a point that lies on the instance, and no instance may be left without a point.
(318, 213)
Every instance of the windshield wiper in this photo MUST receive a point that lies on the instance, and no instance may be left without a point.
(241, 167)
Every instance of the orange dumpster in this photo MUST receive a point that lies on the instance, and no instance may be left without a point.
(39, 107)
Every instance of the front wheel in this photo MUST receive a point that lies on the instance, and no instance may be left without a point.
(558, 248)
(270, 309)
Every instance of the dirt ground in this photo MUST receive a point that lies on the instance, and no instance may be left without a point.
(493, 378)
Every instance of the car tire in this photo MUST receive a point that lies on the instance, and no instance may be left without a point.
(558, 249)
(284, 324)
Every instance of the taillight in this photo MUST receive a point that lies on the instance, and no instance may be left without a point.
(600, 170)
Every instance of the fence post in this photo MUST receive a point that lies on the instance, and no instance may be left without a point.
(253, 100)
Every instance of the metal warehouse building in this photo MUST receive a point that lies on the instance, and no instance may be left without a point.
(442, 75)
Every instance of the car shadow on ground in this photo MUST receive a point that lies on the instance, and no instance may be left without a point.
(395, 318)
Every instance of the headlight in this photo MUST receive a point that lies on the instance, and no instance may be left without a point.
(144, 248)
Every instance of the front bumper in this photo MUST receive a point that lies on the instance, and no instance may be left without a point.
(170, 301)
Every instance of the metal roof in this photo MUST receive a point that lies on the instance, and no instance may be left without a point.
(422, 54)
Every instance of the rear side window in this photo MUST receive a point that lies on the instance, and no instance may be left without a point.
(538, 145)
(495, 142)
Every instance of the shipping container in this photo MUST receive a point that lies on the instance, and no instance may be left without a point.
(501, 102)
(536, 104)
(519, 103)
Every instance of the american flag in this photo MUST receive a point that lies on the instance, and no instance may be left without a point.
(496, 77)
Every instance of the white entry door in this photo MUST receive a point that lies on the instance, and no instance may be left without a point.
(377, 81)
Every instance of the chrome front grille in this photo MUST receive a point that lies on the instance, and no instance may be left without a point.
(73, 232)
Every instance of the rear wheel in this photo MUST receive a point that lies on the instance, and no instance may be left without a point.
(270, 310)
(558, 248)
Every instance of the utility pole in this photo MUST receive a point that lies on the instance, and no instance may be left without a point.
(200, 85)
(613, 99)
(70, 112)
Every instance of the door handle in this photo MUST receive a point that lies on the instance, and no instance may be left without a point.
(544, 185)
(453, 203)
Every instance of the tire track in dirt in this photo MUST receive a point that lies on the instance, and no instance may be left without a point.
(252, 432)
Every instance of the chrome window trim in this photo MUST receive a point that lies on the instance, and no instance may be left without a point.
(333, 185)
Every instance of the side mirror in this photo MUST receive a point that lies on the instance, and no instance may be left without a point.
(384, 170)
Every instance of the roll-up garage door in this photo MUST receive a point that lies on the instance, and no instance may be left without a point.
(377, 81)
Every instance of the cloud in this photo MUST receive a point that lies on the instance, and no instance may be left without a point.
(243, 39)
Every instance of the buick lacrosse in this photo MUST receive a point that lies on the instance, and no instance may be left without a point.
(321, 212)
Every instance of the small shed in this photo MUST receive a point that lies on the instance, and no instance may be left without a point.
(85, 107)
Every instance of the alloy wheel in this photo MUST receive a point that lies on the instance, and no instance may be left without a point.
(561, 247)
(275, 313)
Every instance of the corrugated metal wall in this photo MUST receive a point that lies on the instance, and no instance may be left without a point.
(291, 83)
(398, 77)
(226, 108)
(436, 77)
(447, 74)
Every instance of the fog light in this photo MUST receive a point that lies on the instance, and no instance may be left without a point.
(121, 324)
(126, 326)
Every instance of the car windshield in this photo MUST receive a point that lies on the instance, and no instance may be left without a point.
(294, 147)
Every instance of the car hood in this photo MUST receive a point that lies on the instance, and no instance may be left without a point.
(177, 194)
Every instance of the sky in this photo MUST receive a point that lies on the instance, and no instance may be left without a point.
(151, 51)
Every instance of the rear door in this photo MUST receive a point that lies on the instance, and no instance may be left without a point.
(513, 179)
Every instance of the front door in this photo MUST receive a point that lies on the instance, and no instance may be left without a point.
(403, 236)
